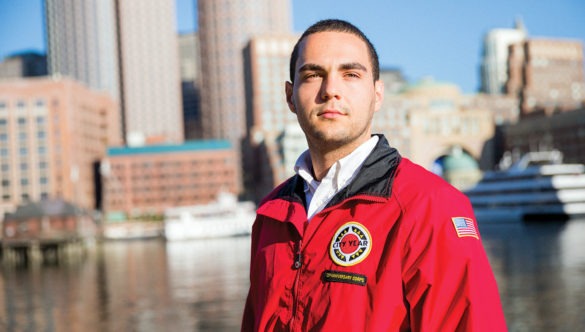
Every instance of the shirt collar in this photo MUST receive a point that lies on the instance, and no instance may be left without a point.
(341, 172)
(304, 168)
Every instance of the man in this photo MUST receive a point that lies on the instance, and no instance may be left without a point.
(361, 239)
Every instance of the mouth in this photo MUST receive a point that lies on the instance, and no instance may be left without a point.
(330, 114)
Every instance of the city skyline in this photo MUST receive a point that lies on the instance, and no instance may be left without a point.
(403, 34)
(225, 29)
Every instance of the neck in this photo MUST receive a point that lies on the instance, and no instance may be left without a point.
(323, 158)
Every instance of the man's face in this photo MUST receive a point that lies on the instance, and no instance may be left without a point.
(334, 94)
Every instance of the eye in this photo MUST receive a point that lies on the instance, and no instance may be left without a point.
(351, 74)
(311, 75)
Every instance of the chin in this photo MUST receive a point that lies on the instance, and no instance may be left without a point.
(333, 139)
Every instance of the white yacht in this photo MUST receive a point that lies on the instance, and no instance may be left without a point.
(538, 186)
(222, 218)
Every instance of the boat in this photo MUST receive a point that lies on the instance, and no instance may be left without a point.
(224, 217)
(539, 186)
(132, 230)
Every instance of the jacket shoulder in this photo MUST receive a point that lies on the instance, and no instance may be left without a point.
(287, 189)
(414, 183)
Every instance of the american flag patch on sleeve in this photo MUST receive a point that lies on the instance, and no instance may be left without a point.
(465, 227)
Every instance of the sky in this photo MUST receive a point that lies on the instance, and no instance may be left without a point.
(441, 39)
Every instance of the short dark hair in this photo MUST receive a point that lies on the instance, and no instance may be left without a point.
(336, 26)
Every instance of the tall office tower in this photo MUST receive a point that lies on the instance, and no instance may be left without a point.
(189, 59)
(27, 64)
(494, 65)
(266, 63)
(547, 74)
(82, 44)
(225, 27)
(151, 95)
(52, 131)
(190, 68)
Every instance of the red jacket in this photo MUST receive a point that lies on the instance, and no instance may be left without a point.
(396, 250)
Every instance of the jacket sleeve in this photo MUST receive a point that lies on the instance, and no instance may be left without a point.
(249, 317)
(448, 281)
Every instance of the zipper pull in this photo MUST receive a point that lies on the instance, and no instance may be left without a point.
(298, 257)
(298, 260)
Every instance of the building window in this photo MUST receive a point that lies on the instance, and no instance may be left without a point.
(20, 104)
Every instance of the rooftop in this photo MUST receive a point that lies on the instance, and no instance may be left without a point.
(198, 145)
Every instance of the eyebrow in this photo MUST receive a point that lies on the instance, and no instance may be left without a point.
(353, 65)
(343, 66)
(311, 67)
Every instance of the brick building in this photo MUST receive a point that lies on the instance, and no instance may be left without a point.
(52, 131)
(144, 181)
(563, 131)
(546, 74)
(46, 222)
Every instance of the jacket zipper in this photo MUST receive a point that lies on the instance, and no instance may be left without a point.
(297, 264)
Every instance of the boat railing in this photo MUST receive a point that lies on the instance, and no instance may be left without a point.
(535, 158)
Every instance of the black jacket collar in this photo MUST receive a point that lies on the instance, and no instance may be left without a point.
(375, 177)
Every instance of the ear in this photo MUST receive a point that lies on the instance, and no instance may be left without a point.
(379, 94)
(288, 89)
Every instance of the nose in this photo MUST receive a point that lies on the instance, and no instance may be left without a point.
(330, 88)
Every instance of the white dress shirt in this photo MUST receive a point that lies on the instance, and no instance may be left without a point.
(319, 193)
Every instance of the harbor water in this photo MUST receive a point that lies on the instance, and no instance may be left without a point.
(151, 285)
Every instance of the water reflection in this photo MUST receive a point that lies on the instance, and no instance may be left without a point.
(132, 286)
(211, 276)
(202, 285)
(540, 268)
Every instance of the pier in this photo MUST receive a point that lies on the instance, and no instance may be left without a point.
(46, 232)
(42, 251)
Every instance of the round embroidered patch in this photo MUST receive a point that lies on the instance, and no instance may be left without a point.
(351, 244)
